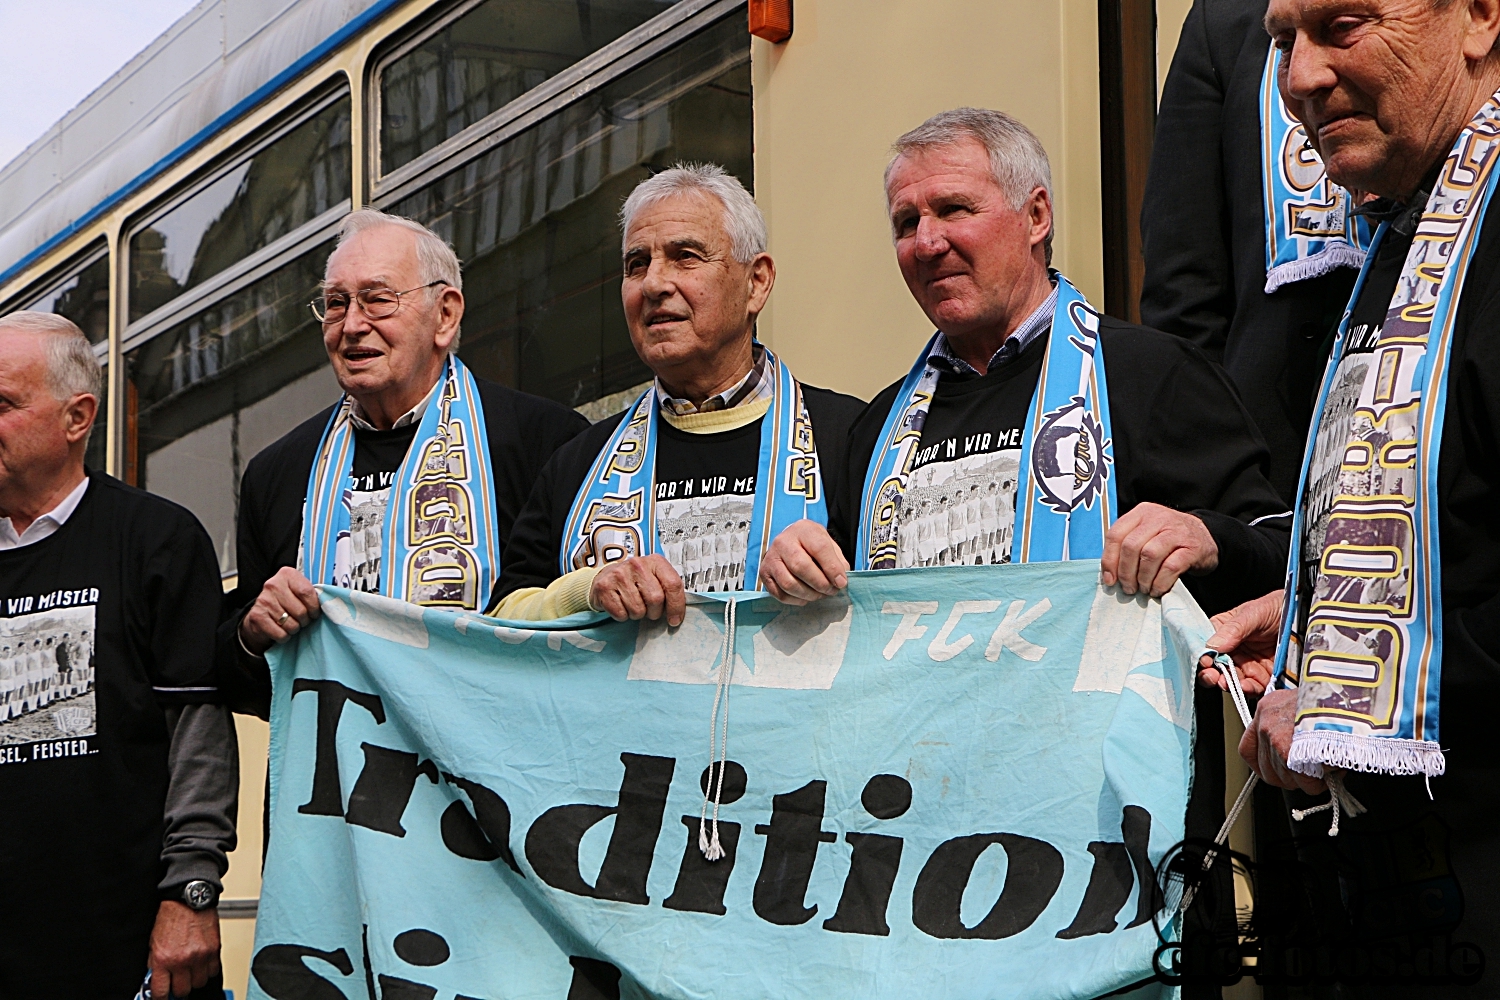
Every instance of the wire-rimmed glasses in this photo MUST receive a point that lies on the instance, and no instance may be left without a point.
(375, 303)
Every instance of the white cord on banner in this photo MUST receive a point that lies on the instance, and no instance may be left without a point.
(1340, 800)
(1236, 695)
(708, 842)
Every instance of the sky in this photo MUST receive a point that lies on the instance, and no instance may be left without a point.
(58, 51)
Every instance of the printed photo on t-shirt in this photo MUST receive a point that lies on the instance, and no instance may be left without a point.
(959, 512)
(356, 555)
(705, 537)
(46, 683)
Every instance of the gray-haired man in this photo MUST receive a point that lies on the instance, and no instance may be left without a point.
(413, 425)
(724, 449)
(119, 771)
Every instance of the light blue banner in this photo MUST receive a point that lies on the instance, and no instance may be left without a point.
(953, 784)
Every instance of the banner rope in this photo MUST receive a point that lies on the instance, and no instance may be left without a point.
(708, 842)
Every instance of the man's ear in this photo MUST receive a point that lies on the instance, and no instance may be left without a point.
(1039, 213)
(450, 312)
(762, 278)
(78, 416)
(1483, 29)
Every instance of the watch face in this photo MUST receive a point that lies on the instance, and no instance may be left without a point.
(198, 894)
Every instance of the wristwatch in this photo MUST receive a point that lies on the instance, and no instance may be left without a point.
(200, 895)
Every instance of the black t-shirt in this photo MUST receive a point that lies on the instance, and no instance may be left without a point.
(959, 505)
(1181, 439)
(705, 497)
(377, 458)
(730, 456)
(523, 430)
(116, 613)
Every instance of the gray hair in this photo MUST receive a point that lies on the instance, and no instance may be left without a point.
(72, 366)
(1017, 159)
(436, 260)
(743, 223)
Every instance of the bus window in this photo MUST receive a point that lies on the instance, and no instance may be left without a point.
(284, 185)
(534, 219)
(480, 62)
(83, 297)
(210, 392)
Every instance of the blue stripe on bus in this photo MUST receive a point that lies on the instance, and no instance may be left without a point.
(286, 76)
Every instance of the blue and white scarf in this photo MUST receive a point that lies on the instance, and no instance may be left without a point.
(613, 516)
(440, 546)
(1310, 226)
(1368, 667)
(1066, 450)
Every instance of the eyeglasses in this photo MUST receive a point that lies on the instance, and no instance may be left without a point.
(376, 303)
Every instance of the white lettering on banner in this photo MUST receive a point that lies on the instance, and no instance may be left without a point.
(908, 629)
(513, 636)
(941, 649)
(1124, 634)
(382, 617)
(556, 639)
(1008, 634)
(799, 649)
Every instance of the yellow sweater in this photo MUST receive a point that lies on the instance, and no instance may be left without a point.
(569, 593)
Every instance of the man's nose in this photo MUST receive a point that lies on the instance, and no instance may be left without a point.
(1306, 70)
(355, 322)
(930, 239)
(657, 282)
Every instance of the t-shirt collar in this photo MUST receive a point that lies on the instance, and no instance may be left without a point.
(944, 359)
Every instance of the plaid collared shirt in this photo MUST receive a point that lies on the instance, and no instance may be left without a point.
(754, 386)
(1032, 327)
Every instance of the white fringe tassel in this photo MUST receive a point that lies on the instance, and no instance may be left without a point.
(708, 834)
(1338, 253)
(1313, 751)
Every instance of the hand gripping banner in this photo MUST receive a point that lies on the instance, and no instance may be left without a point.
(954, 782)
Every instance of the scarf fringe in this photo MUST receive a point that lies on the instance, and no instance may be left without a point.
(1313, 752)
(1337, 254)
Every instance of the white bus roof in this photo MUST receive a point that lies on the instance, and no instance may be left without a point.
(216, 62)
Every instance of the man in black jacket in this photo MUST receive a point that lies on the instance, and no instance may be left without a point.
(412, 419)
(725, 450)
(1399, 96)
(1204, 229)
(971, 213)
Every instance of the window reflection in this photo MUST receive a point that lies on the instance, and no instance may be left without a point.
(288, 183)
(212, 391)
(534, 219)
(487, 58)
(98, 447)
(83, 298)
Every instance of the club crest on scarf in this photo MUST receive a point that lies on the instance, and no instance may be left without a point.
(1069, 464)
(613, 516)
(1369, 658)
(439, 543)
(1065, 450)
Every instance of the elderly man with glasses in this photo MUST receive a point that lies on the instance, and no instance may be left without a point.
(347, 497)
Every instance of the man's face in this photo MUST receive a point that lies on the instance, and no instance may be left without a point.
(964, 250)
(1381, 86)
(36, 428)
(686, 298)
(373, 356)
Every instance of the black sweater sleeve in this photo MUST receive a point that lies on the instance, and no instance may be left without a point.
(1184, 440)
(1185, 223)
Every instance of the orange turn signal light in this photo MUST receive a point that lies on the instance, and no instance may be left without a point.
(771, 19)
